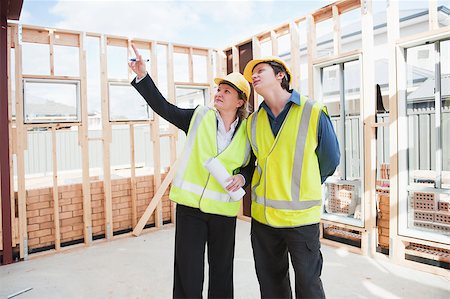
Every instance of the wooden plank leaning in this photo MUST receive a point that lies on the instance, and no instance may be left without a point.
(155, 200)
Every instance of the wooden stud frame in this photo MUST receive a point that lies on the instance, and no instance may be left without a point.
(18, 128)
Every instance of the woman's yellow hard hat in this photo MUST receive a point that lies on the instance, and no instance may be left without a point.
(237, 80)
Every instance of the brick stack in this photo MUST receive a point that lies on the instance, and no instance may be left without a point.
(383, 218)
(341, 199)
(39, 205)
(383, 210)
(431, 211)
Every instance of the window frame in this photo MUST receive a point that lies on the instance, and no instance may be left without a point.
(403, 146)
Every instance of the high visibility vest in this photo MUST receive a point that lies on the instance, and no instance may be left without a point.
(286, 184)
(193, 185)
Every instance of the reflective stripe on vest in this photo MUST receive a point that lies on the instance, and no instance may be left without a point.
(193, 185)
(295, 204)
(200, 190)
(178, 180)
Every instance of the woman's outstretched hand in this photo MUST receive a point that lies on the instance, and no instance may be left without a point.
(236, 182)
(138, 66)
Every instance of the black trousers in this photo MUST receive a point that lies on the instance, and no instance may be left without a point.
(193, 230)
(270, 251)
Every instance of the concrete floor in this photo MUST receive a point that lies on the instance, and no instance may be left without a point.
(142, 268)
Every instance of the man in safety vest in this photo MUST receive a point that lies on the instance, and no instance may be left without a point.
(296, 150)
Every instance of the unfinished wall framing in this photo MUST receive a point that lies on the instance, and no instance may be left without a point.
(57, 214)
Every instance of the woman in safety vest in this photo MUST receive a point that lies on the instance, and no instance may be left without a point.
(205, 212)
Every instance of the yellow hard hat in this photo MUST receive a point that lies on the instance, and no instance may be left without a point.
(237, 80)
(248, 71)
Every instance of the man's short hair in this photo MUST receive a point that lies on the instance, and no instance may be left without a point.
(279, 68)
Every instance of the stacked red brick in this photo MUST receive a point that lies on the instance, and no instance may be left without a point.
(383, 195)
(431, 211)
(341, 199)
(40, 223)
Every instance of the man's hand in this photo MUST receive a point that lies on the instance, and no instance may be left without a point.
(138, 66)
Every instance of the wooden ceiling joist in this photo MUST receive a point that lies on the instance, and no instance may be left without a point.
(66, 39)
(37, 36)
(116, 41)
(348, 5)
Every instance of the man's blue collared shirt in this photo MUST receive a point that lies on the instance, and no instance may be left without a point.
(327, 150)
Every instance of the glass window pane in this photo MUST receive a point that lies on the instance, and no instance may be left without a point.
(342, 192)
(181, 67)
(125, 103)
(35, 59)
(284, 45)
(266, 48)
(302, 27)
(200, 68)
(117, 62)
(443, 6)
(120, 149)
(351, 30)
(190, 97)
(324, 38)
(352, 94)
(331, 99)
(421, 114)
(413, 17)
(67, 61)
(46, 101)
(162, 80)
(93, 83)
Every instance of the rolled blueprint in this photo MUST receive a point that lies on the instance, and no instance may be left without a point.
(219, 172)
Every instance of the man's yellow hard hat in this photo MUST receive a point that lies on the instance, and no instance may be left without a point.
(237, 80)
(248, 71)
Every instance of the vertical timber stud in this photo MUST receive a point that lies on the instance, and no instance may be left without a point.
(84, 139)
(209, 74)
(393, 33)
(51, 35)
(107, 137)
(274, 42)
(55, 192)
(256, 48)
(156, 139)
(171, 92)
(5, 173)
(172, 98)
(191, 65)
(133, 177)
(132, 156)
(336, 31)
(295, 55)
(235, 53)
(21, 145)
(433, 22)
(368, 76)
(311, 50)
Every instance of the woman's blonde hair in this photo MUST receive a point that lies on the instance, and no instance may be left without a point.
(244, 110)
